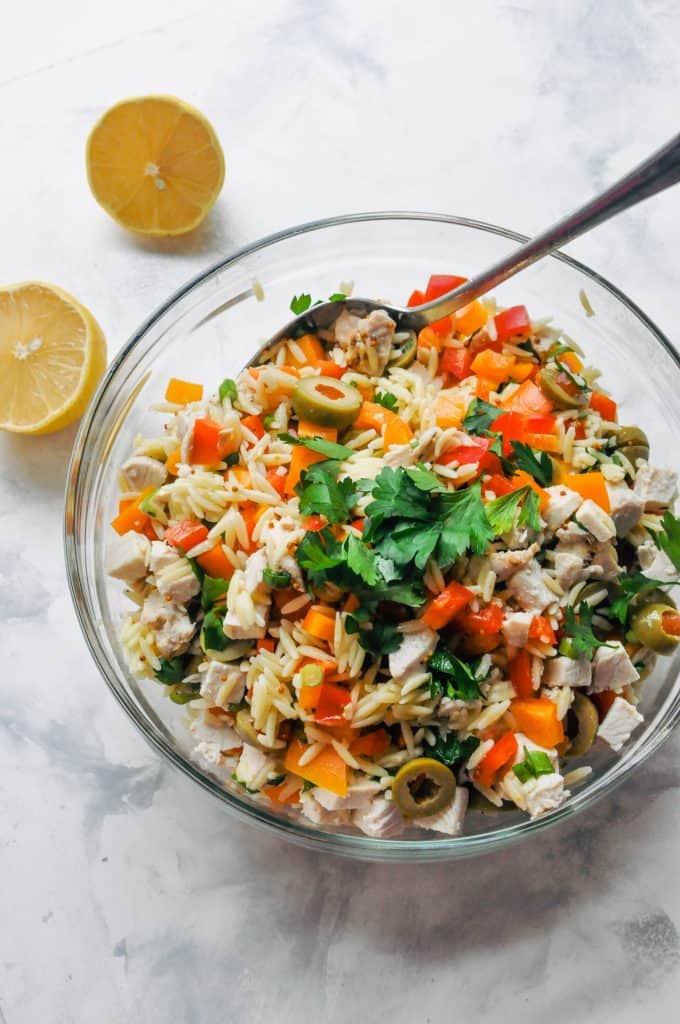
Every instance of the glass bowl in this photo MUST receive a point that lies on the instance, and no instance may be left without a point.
(210, 328)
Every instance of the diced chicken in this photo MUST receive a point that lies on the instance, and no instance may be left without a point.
(612, 668)
(571, 534)
(418, 644)
(175, 579)
(570, 568)
(655, 563)
(255, 566)
(173, 629)
(254, 768)
(529, 589)
(563, 671)
(366, 341)
(235, 631)
(408, 455)
(382, 819)
(596, 521)
(619, 722)
(214, 742)
(544, 794)
(458, 712)
(562, 503)
(450, 821)
(247, 610)
(221, 683)
(127, 557)
(606, 561)
(141, 471)
(312, 809)
(358, 797)
(626, 507)
(515, 628)
(656, 488)
(280, 538)
(505, 563)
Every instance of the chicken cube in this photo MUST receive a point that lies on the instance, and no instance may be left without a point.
(419, 641)
(529, 589)
(570, 568)
(562, 503)
(176, 580)
(545, 794)
(358, 797)
(655, 563)
(612, 668)
(505, 563)
(449, 821)
(656, 488)
(254, 768)
(619, 722)
(596, 521)
(515, 628)
(141, 471)
(626, 507)
(255, 566)
(162, 555)
(606, 561)
(562, 671)
(127, 557)
(173, 629)
(382, 819)
(222, 683)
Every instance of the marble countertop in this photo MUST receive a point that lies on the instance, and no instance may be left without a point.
(126, 894)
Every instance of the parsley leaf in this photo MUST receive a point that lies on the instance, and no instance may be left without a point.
(299, 304)
(669, 539)
(480, 416)
(377, 638)
(450, 749)
(213, 637)
(386, 399)
(630, 587)
(212, 589)
(320, 445)
(321, 493)
(452, 677)
(171, 671)
(425, 479)
(360, 559)
(317, 552)
(529, 514)
(395, 495)
(465, 526)
(583, 643)
(535, 763)
(501, 511)
(536, 464)
(337, 297)
(228, 389)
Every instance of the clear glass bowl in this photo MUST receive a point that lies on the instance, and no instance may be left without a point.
(214, 325)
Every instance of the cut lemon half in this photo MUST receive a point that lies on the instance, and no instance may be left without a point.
(155, 164)
(52, 354)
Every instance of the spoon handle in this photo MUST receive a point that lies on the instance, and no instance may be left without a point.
(658, 172)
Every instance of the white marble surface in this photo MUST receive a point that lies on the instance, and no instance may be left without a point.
(126, 894)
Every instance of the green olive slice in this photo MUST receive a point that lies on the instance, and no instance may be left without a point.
(657, 626)
(635, 452)
(423, 787)
(403, 354)
(326, 402)
(245, 728)
(585, 714)
(560, 389)
(631, 435)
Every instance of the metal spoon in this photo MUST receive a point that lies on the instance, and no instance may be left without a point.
(658, 172)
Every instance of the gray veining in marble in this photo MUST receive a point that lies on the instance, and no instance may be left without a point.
(126, 894)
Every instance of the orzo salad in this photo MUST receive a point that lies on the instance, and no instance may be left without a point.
(397, 577)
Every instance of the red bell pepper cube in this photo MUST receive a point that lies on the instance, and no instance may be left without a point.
(331, 703)
(513, 323)
(186, 535)
(440, 284)
(456, 361)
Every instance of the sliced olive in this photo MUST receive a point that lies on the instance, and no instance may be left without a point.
(584, 712)
(631, 435)
(245, 728)
(657, 626)
(326, 401)
(423, 787)
(635, 452)
(403, 353)
(656, 596)
(560, 389)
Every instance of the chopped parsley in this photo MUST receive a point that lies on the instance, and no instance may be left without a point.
(669, 539)
(480, 416)
(212, 589)
(501, 511)
(276, 580)
(377, 638)
(329, 449)
(387, 400)
(213, 637)
(450, 749)
(537, 464)
(299, 304)
(582, 642)
(228, 389)
(452, 677)
(321, 493)
(171, 671)
(630, 587)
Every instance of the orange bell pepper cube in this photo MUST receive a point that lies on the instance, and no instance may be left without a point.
(543, 442)
(484, 386)
(528, 399)
(456, 361)
(266, 643)
(537, 718)
(331, 703)
(605, 405)
(440, 284)
(254, 424)
(328, 668)
(173, 460)
(519, 670)
(130, 515)
(186, 535)
(493, 365)
(571, 360)
(486, 621)
(588, 485)
(372, 744)
(301, 459)
(541, 630)
(308, 697)
(417, 298)
(181, 392)
(320, 622)
(396, 432)
(470, 318)
(445, 606)
(521, 371)
(513, 324)
(307, 429)
(501, 754)
(208, 447)
(522, 479)
(449, 409)
(327, 368)
(429, 338)
(312, 349)
(283, 793)
(216, 563)
(327, 769)
(277, 480)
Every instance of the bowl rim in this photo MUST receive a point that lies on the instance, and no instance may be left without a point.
(358, 846)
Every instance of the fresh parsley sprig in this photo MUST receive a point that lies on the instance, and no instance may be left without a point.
(299, 304)
(630, 587)
(579, 630)
(537, 464)
(669, 538)
(329, 449)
